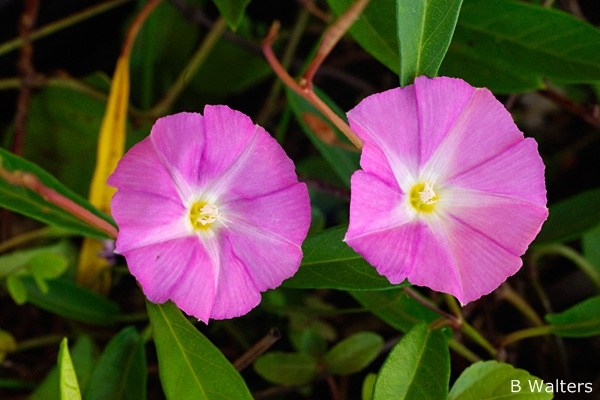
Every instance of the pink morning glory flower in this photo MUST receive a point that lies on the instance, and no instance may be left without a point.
(450, 194)
(210, 213)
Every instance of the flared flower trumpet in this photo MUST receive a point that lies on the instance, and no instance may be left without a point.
(450, 194)
(210, 213)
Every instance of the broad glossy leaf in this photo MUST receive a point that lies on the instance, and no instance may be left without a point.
(417, 368)
(232, 11)
(69, 388)
(72, 301)
(353, 353)
(395, 308)
(581, 320)
(82, 356)
(287, 368)
(571, 218)
(511, 46)
(329, 263)
(425, 29)
(190, 366)
(487, 380)
(344, 162)
(29, 203)
(124, 353)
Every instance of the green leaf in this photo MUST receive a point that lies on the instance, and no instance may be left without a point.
(26, 202)
(395, 307)
(511, 46)
(487, 380)
(344, 162)
(581, 320)
(418, 367)
(69, 300)
(367, 386)
(8, 344)
(124, 353)
(329, 263)
(353, 353)
(590, 242)
(190, 366)
(375, 29)
(287, 368)
(69, 388)
(47, 265)
(232, 11)
(16, 289)
(82, 355)
(12, 263)
(425, 29)
(571, 218)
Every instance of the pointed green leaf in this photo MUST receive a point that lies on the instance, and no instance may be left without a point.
(425, 28)
(569, 219)
(395, 308)
(82, 356)
(329, 263)
(581, 320)
(353, 353)
(418, 367)
(190, 366)
(26, 202)
(493, 380)
(16, 289)
(124, 353)
(69, 388)
(69, 300)
(232, 11)
(510, 46)
(287, 368)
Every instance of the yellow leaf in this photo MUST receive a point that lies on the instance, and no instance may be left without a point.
(92, 269)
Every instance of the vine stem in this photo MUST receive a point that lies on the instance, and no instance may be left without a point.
(257, 349)
(304, 87)
(584, 265)
(32, 182)
(524, 334)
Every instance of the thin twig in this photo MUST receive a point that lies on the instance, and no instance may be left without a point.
(257, 349)
(591, 116)
(32, 182)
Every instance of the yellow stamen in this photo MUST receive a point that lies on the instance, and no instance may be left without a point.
(423, 197)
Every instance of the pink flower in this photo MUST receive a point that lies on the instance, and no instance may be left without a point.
(210, 213)
(451, 194)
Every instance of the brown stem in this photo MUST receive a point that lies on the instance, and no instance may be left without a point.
(136, 25)
(315, 10)
(304, 91)
(32, 182)
(331, 37)
(257, 349)
(591, 116)
(454, 322)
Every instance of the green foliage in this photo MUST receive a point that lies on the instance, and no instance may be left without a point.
(344, 162)
(69, 388)
(31, 204)
(424, 32)
(494, 380)
(82, 356)
(329, 263)
(125, 353)
(581, 320)
(7, 344)
(69, 300)
(232, 11)
(190, 366)
(571, 218)
(591, 247)
(353, 353)
(287, 368)
(418, 367)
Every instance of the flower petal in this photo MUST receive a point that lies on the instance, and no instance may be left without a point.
(153, 180)
(483, 130)
(511, 222)
(179, 143)
(518, 172)
(145, 219)
(180, 270)
(388, 125)
(436, 113)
